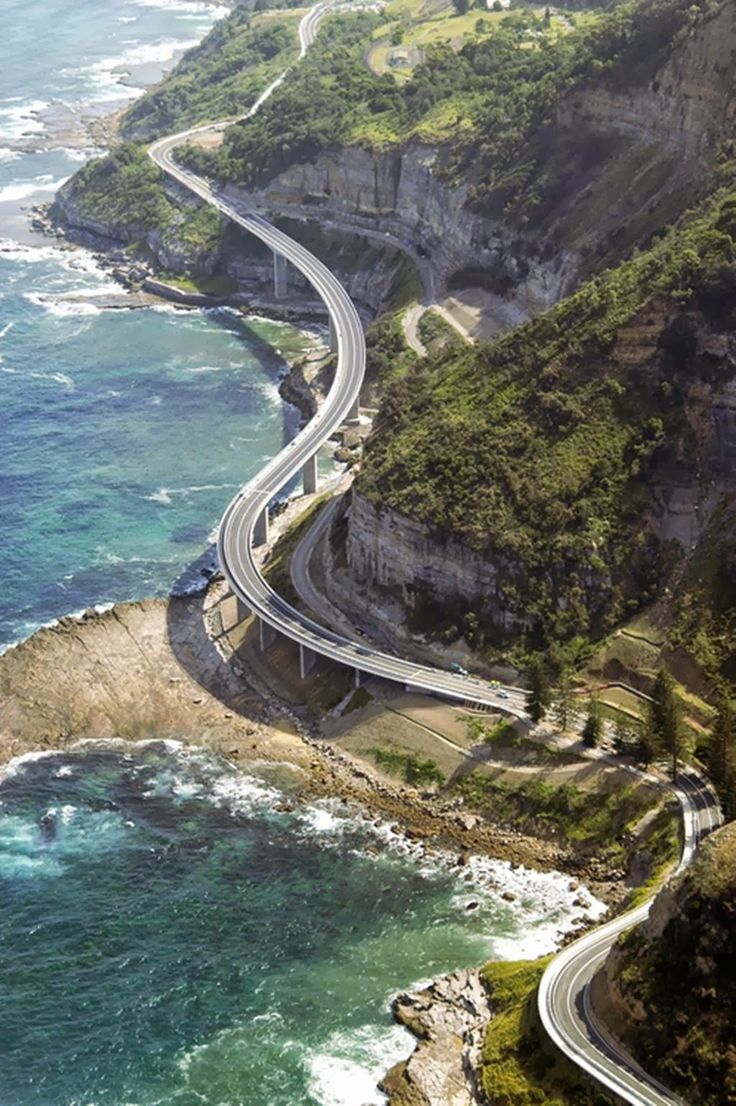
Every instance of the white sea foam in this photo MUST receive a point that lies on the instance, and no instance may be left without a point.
(22, 190)
(243, 794)
(60, 307)
(109, 76)
(55, 378)
(347, 1070)
(6, 329)
(20, 119)
(192, 7)
(7, 154)
(10, 250)
(163, 495)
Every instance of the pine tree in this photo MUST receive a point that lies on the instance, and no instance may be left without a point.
(665, 723)
(593, 728)
(721, 742)
(564, 706)
(539, 695)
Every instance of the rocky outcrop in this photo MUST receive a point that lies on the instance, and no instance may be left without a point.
(449, 1019)
(369, 273)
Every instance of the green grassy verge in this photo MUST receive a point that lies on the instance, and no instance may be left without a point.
(411, 768)
(519, 1067)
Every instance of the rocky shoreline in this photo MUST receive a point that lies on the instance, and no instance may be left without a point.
(159, 668)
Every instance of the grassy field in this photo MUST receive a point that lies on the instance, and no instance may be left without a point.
(518, 1065)
(414, 25)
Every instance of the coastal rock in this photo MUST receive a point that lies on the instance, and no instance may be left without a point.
(449, 1019)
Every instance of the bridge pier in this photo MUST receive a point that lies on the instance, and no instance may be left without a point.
(242, 610)
(279, 275)
(266, 635)
(333, 336)
(310, 475)
(307, 661)
(353, 416)
(358, 677)
(260, 532)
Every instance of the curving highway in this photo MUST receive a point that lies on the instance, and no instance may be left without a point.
(564, 998)
(238, 525)
(564, 994)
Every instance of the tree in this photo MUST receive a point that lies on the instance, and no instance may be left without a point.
(665, 721)
(540, 692)
(721, 752)
(722, 755)
(461, 6)
(593, 728)
(563, 705)
(547, 17)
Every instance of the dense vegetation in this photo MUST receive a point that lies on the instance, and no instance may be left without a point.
(591, 820)
(541, 450)
(678, 979)
(483, 101)
(220, 78)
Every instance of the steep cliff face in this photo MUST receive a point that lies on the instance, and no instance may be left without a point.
(614, 165)
(491, 507)
(403, 191)
(620, 161)
(372, 272)
(671, 983)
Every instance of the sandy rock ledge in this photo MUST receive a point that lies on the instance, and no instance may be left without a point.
(449, 1019)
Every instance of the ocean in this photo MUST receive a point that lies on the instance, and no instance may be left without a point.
(169, 936)
(124, 433)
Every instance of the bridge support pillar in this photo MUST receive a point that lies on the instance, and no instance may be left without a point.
(260, 533)
(279, 275)
(242, 610)
(307, 661)
(266, 635)
(333, 336)
(310, 476)
(354, 413)
(358, 677)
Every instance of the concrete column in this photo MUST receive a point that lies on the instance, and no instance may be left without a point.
(242, 610)
(307, 661)
(279, 275)
(333, 336)
(310, 476)
(354, 412)
(260, 533)
(266, 634)
(358, 677)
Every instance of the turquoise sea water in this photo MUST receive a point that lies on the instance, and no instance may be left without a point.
(169, 939)
(122, 434)
(125, 433)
